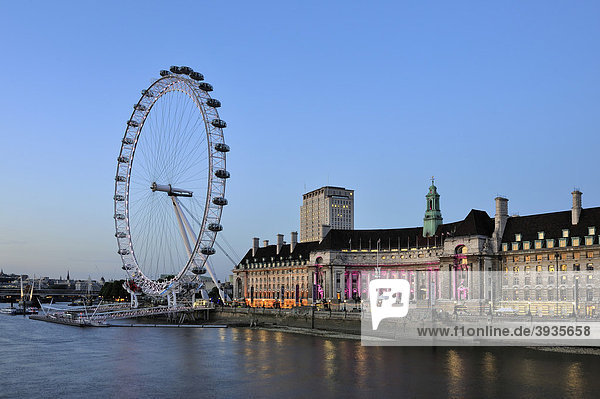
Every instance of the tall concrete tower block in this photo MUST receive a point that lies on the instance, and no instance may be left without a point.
(433, 214)
(326, 206)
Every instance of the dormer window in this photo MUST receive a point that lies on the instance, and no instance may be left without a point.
(562, 242)
(518, 237)
(505, 246)
(591, 231)
(575, 241)
(565, 232)
(540, 235)
(550, 243)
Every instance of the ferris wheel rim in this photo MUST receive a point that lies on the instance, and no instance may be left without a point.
(215, 185)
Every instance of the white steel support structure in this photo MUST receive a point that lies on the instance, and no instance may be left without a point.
(187, 84)
(185, 229)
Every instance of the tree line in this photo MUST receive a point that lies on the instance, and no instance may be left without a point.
(113, 290)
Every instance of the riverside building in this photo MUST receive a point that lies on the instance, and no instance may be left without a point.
(540, 264)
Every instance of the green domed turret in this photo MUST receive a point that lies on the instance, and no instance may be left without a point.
(433, 214)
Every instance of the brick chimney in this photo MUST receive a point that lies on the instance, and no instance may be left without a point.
(294, 240)
(254, 246)
(499, 222)
(279, 243)
(324, 230)
(576, 209)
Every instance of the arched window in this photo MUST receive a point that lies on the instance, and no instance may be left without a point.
(460, 250)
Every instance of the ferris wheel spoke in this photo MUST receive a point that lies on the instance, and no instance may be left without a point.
(194, 153)
(191, 164)
(189, 133)
(190, 168)
(162, 230)
(186, 134)
(174, 125)
(190, 156)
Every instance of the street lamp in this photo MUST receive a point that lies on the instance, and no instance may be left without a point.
(575, 311)
(556, 258)
(291, 284)
(377, 268)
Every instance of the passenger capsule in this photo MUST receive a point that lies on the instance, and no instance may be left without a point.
(218, 123)
(123, 252)
(119, 197)
(208, 251)
(139, 107)
(147, 93)
(196, 76)
(132, 123)
(119, 216)
(205, 86)
(123, 159)
(222, 173)
(215, 227)
(213, 102)
(185, 70)
(174, 69)
(220, 201)
(120, 234)
(222, 147)
(127, 140)
(198, 270)
(121, 178)
(164, 73)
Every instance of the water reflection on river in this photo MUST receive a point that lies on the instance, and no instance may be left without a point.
(48, 360)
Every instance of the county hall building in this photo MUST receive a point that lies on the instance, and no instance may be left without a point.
(539, 264)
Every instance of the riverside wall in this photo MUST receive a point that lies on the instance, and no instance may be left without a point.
(301, 317)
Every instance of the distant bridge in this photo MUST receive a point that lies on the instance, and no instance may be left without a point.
(44, 292)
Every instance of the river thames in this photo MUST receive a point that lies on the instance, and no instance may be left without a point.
(48, 360)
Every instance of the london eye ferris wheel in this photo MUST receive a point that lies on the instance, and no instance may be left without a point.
(170, 183)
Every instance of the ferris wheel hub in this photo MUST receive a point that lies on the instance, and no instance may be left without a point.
(170, 190)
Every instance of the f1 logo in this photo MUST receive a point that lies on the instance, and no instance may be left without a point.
(388, 298)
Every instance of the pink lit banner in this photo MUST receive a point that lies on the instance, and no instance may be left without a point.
(467, 307)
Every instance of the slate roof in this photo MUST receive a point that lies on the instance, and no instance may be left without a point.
(552, 224)
(302, 249)
(476, 223)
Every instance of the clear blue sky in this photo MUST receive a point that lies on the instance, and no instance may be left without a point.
(498, 98)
